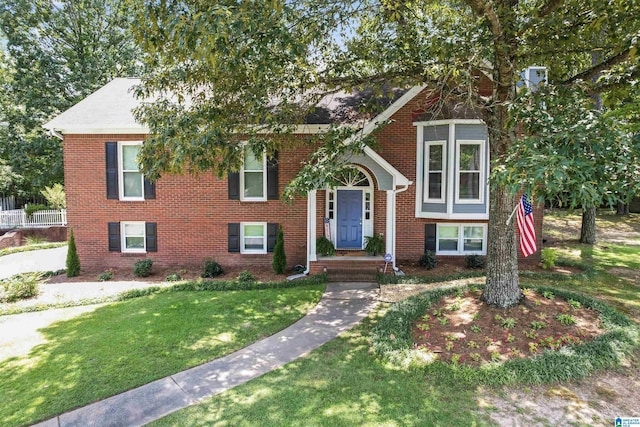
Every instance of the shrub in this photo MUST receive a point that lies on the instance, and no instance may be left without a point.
(548, 258)
(34, 207)
(374, 245)
(142, 268)
(246, 278)
(20, 286)
(324, 246)
(474, 261)
(279, 262)
(35, 240)
(55, 196)
(428, 260)
(73, 262)
(106, 276)
(212, 269)
(173, 277)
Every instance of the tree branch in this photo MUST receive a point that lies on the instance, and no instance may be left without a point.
(484, 9)
(549, 8)
(598, 68)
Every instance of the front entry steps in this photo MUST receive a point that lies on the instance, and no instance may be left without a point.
(349, 268)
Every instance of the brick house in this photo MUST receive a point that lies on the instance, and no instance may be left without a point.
(423, 188)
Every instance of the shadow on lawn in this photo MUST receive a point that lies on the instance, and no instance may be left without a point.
(121, 346)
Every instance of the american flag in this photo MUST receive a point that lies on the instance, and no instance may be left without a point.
(525, 227)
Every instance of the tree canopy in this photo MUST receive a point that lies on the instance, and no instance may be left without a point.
(228, 68)
(57, 54)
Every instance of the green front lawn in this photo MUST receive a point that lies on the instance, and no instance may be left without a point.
(344, 384)
(126, 344)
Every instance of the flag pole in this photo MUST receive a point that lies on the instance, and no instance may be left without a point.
(512, 213)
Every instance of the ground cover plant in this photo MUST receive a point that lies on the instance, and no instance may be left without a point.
(126, 344)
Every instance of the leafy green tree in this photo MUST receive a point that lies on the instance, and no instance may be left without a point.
(234, 68)
(279, 262)
(59, 52)
(73, 261)
(55, 196)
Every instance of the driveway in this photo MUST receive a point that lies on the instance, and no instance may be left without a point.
(39, 260)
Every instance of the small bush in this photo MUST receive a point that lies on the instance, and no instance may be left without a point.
(374, 245)
(246, 278)
(20, 286)
(212, 269)
(474, 261)
(55, 196)
(142, 268)
(73, 262)
(279, 263)
(428, 260)
(34, 207)
(173, 277)
(324, 246)
(35, 240)
(548, 258)
(106, 276)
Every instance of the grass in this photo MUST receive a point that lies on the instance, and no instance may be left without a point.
(342, 383)
(33, 247)
(130, 343)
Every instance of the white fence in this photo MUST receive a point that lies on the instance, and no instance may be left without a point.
(17, 218)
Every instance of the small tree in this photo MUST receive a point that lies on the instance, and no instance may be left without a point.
(73, 262)
(55, 196)
(279, 258)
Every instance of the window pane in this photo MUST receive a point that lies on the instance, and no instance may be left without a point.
(134, 229)
(469, 185)
(251, 162)
(435, 185)
(448, 232)
(254, 230)
(253, 184)
(254, 243)
(470, 157)
(134, 242)
(129, 155)
(435, 157)
(473, 245)
(132, 184)
(449, 245)
(473, 232)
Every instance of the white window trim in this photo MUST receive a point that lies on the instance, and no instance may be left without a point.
(264, 238)
(425, 196)
(264, 180)
(123, 238)
(461, 250)
(482, 172)
(121, 172)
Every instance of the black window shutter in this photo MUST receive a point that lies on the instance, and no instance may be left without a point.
(234, 185)
(234, 237)
(272, 177)
(111, 151)
(151, 236)
(149, 189)
(429, 237)
(114, 237)
(272, 235)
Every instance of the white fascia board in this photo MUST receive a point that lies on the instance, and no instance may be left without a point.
(450, 121)
(101, 131)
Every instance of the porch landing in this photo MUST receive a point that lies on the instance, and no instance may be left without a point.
(349, 268)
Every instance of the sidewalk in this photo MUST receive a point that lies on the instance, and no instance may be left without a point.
(26, 262)
(342, 306)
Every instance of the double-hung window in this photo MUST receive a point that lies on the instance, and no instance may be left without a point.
(434, 161)
(461, 239)
(470, 159)
(253, 176)
(133, 237)
(253, 237)
(131, 179)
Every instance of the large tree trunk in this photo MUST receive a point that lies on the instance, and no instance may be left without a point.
(588, 229)
(622, 209)
(502, 287)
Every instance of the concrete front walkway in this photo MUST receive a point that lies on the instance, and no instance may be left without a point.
(26, 262)
(342, 306)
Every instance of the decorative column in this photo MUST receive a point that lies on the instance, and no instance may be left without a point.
(390, 224)
(311, 225)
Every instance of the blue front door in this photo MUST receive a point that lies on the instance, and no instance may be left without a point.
(349, 219)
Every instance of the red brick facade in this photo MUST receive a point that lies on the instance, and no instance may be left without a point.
(192, 212)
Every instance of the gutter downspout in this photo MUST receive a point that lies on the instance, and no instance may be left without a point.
(55, 133)
(395, 193)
